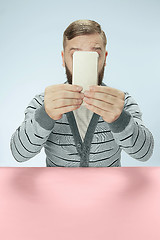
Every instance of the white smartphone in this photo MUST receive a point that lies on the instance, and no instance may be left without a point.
(85, 69)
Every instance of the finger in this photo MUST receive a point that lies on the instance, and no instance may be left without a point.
(65, 87)
(67, 94)
(110, 91)
(95, 109)
(104, 97)
(107, 116)
(100, 104)
(60, 103)
(63, 110)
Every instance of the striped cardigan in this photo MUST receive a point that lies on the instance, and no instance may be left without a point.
(64, 147)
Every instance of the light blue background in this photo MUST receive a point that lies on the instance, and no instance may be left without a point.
(30, 59)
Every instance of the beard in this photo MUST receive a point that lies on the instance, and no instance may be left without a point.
(100, 75)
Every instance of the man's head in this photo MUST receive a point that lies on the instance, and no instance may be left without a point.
(84, 35)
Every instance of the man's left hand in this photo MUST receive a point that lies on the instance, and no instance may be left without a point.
(105, 101)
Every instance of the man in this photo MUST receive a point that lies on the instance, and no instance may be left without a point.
(74, 135)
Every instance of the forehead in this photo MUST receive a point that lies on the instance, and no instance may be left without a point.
(85, 40)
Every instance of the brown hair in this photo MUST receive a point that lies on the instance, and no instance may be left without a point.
(83, 27)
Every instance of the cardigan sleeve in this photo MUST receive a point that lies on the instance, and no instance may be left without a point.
(130, 133)
(29, 138)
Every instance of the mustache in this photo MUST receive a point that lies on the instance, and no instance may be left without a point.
(69, 74)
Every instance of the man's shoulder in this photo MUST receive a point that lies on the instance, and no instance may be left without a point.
(37, 100)
(39, 96)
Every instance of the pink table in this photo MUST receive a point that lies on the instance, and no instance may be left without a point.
(80, 203)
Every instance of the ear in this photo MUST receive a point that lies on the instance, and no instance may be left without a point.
(105, 57)
(62, 54)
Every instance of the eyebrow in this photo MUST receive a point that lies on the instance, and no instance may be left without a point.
(74, 49)
(93, 48)
(97, 48)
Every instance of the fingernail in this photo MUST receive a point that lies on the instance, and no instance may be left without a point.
(79, 88)
(91, 88)
(86, 93)
(85, 98)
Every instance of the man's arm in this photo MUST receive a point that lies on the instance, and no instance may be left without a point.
(30, 137)
(28, 140)
(123, 115)
(130, 133)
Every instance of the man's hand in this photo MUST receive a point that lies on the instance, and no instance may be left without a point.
(105, 101)
(62, 98)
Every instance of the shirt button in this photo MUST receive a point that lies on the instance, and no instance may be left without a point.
(78, 145)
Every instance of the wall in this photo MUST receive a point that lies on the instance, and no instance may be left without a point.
(31, 44)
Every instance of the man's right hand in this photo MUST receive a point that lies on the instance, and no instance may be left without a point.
(62, 98)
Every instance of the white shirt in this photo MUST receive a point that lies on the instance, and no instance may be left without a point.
(83, 117)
